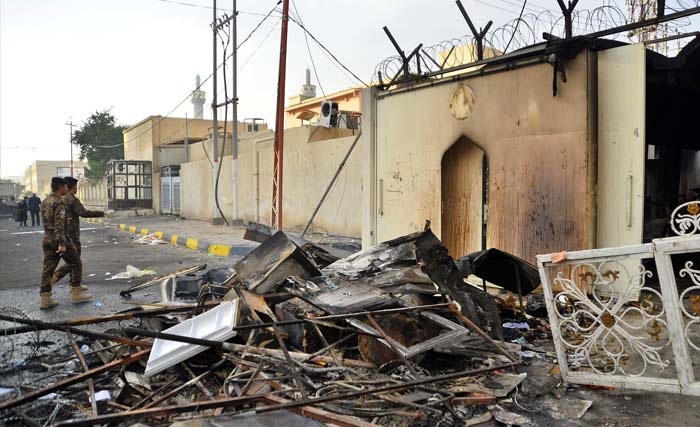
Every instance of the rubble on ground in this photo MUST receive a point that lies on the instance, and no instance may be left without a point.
(300, 334)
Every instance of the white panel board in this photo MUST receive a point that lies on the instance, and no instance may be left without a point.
(621, 145)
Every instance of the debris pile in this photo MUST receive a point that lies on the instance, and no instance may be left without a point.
(298, 333)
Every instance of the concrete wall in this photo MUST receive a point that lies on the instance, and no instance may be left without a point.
(537, 145)
(143, 140)
(93, 194)
(311, 157)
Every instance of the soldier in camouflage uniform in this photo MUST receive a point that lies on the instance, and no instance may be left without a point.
(74, 210)
(56, 245)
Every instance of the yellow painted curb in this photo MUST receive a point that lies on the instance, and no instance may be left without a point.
(99, 221)
(144, 231)
(192, 243)
(219, 250)
(132, 229)
(159, 234)
(122, 227)
(173, 240)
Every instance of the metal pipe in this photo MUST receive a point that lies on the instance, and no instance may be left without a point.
(214, 112)
(330, 185)
(278, 165)
(240, 401)
(234, 139)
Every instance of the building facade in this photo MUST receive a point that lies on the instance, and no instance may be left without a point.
(37, 176)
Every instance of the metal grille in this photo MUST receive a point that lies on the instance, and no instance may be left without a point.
(616, 322)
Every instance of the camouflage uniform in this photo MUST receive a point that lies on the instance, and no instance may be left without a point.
(74, 210)
(53, 215)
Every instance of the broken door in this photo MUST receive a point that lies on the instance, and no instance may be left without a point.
(621, 145)
(462, 177)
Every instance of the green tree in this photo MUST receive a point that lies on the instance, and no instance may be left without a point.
(100, 139)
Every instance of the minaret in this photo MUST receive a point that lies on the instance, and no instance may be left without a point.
(198, 98)
(308, 90)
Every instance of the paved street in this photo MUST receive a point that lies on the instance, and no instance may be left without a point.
(105, 250)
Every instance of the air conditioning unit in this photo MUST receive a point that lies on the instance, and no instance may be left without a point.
(329, 114)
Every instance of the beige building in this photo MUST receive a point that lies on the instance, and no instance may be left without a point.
(498, 156)
(312, 155)
(161, 140)
(37, 176)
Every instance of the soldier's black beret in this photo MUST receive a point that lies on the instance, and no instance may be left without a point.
(57, 180)
(70, 181)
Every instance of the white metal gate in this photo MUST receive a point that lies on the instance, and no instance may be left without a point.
(170, 195)
(616, 323)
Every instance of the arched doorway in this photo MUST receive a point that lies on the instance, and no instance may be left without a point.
(464, 172)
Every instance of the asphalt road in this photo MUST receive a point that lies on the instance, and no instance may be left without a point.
(105, 250)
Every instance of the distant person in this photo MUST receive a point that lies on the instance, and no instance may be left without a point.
(57, 245)
(22, 208)
(74, 210)
(34, 207)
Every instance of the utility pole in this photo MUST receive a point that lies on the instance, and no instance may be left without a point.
(234, 146)
(277, 179)
(71, 124)
(214, 107)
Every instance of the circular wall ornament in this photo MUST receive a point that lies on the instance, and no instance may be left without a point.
(462, 102)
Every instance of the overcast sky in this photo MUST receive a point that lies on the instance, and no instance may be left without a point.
(68, 58)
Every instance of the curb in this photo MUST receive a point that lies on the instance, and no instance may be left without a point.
(193, 243)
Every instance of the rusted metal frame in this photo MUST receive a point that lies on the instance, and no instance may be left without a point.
(240, 401)
(384, 389)
(240, 347)
(161, 412)
(478, 35)
(97, 335)
(127, 292)
(197, 382)
(181, 387)
(568, 11)
(483, 334)
(322, 415)
(391, 344)
(90, 383)
(72, 380)
(290, 364)
(152, 395)
(341, 328)
(342, 316)
(328, 347)
(252, 379)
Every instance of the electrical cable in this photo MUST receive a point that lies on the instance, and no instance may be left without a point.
(515, 30)
(308, 48)
(179, 104)
(326, 49)
(223, 142)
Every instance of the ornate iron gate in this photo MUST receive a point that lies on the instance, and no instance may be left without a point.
(629, 317)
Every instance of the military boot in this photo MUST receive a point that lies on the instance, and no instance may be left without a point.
(78, 295)
(46, 302)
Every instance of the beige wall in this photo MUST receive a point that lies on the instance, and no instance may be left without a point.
(93, 194)
(37, 176)
(142, 140)
(538, 152)
(311, 157)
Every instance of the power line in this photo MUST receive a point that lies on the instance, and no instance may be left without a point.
(179, 104)
(202, 6)
(308, 48)
(326, 49)
(515, 30)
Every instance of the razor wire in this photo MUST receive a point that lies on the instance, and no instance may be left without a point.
(524, 31)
